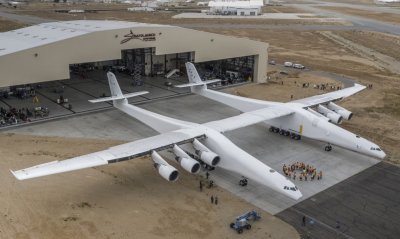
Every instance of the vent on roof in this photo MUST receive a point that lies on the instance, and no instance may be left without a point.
(19, 33)
(27, 34)
(44, 38)
(34, 36)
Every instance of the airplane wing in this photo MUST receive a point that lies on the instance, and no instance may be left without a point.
(248, 118)
(332, 96)
(111, 155)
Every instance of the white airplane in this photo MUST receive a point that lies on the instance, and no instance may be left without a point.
(207, 145)
(210, 146)
(296, 118)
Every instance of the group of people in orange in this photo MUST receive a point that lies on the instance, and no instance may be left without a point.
(304, 171)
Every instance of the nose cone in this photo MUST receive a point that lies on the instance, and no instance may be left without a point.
(380, 154)
(296, 195)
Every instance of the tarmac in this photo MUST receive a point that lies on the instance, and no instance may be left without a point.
(367, 205)
(270, 148)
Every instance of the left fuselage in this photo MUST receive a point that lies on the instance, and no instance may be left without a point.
(239, 161)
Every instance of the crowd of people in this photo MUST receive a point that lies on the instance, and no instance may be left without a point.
(302, 171)
(323, 86)
(13, 116)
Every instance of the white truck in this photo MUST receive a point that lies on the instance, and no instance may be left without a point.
(288, 64)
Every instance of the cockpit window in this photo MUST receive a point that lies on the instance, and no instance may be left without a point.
(290, 188)
(272, 171)
(357, 136)
(378, 149)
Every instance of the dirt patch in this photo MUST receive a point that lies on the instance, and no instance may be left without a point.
(6, 25)
(384, 43)
(380, 16)
(123, 200)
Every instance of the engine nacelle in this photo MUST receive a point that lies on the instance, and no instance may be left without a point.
(318, 115)
(340, 110)
(186, 162)
(166, 171)
(206, 155)
(189, 164)
(336, 118)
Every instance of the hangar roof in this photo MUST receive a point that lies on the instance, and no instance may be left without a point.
(45, 33)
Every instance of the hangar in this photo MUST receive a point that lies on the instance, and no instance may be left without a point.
(52, 51)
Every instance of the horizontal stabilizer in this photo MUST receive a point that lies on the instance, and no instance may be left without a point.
(197, 84)
(126, 96)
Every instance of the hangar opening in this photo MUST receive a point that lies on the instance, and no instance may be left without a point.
(64, 64)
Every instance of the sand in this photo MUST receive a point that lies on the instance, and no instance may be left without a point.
(123, 200)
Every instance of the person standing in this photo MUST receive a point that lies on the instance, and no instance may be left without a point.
(216, 200)
(212, 199)
(201, 186)
(207, 175)
(303, 221)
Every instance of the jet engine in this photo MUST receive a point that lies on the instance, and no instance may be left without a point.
(340, 110)
(206, 155)
(187, 162)
(318, 115)
(166, 171)
(336, 118)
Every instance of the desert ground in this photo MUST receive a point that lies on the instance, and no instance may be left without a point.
(128, 200)
(119, 12)
(381, 16)
(6, 25)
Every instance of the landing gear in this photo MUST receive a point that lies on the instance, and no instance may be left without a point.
(328, 148)
(284, 132)
(243, 182)
(274, 129)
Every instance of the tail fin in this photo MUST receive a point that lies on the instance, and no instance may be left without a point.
(194, 78)
(116, 93)
(192, 73)
(114, 86)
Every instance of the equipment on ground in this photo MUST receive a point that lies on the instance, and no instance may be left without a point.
(242, 221)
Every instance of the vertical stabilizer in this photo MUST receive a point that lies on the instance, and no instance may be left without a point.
(192, 73)
(114, 87)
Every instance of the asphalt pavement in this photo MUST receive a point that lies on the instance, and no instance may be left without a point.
(367, 206)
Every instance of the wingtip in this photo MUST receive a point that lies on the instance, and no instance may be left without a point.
(16, 175)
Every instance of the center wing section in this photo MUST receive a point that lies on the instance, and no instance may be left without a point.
(328, 97)
(248, 118)
(111, 155)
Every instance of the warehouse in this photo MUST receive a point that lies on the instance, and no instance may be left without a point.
(51, 51)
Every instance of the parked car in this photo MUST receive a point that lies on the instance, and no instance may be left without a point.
(298, 66)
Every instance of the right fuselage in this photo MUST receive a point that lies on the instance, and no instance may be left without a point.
(306, 124)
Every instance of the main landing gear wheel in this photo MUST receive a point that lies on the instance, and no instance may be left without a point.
(328, 148)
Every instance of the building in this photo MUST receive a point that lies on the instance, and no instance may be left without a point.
(49, 51)
(236, 7)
